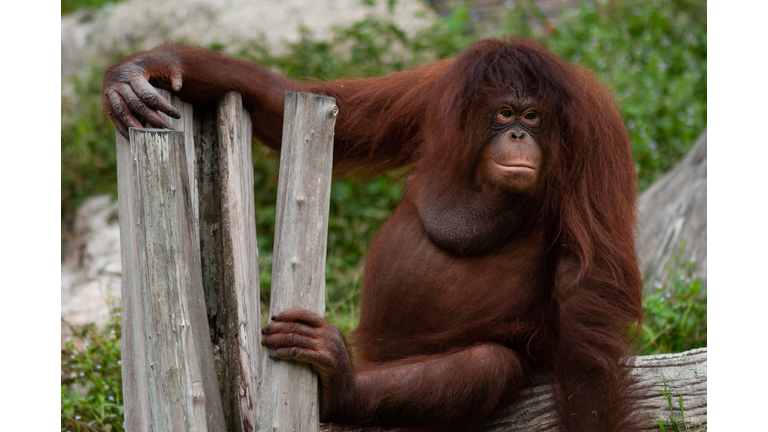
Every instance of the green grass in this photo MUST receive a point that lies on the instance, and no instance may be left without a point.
(676, 419)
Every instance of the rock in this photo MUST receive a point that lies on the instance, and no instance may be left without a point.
(674, 209)
(90, 268)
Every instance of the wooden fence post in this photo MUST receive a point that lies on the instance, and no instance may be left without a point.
(170, 383)
(288, 398)
(241, 256)
(218, 147)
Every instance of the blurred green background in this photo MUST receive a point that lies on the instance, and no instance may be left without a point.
(653, 54)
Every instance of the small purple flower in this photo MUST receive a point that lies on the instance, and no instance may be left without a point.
(98, 366)
(668, 295)
(119, 362)
(111, 398)
(77, 417)
(117, 313)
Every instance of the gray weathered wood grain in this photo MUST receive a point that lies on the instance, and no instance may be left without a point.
(240, 249)
(134, 360)
(674, 208)
(685, 374)
(175, 384)
(185, 125)
(288, 398)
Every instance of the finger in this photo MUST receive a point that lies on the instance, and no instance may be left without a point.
(287, 340)
(121, 110)
(300, 315)
(119, 126)
(156, 120)
(290, 327)
(140, 109)
(152, 98)
(176, 80)
(294, 353)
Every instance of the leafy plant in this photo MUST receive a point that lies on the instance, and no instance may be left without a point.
(678, 424)
(69, 6)
(91, 378)
(676, 313)
(654, 55)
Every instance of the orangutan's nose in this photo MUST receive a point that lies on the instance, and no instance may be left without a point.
(517, 134)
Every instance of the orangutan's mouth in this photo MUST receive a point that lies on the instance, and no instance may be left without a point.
(515, 167)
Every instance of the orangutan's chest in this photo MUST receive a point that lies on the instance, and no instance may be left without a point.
(407, 273)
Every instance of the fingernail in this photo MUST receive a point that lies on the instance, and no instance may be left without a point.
(166, 126)
(177, 87)
(273, 317)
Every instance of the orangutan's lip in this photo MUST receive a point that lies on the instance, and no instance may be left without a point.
(515, 167)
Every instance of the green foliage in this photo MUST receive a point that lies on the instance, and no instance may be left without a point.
(371, 47)
(357, 210)
(88, 160)
(91, 380)
(69, 6)
(654, 55)
(675, 313)
(677, 423)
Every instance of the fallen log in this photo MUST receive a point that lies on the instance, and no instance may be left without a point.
(685, 374)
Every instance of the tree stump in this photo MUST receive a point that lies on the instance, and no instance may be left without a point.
(674, 209)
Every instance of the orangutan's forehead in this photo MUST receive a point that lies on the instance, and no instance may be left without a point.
(515, 98)
(524, 98)
(522, 88)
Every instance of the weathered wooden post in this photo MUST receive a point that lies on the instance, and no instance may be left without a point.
(220, 166)
(288, 398)
(239, 264)
(169, 379)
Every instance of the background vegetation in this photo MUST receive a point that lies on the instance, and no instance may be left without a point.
(653, 53)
